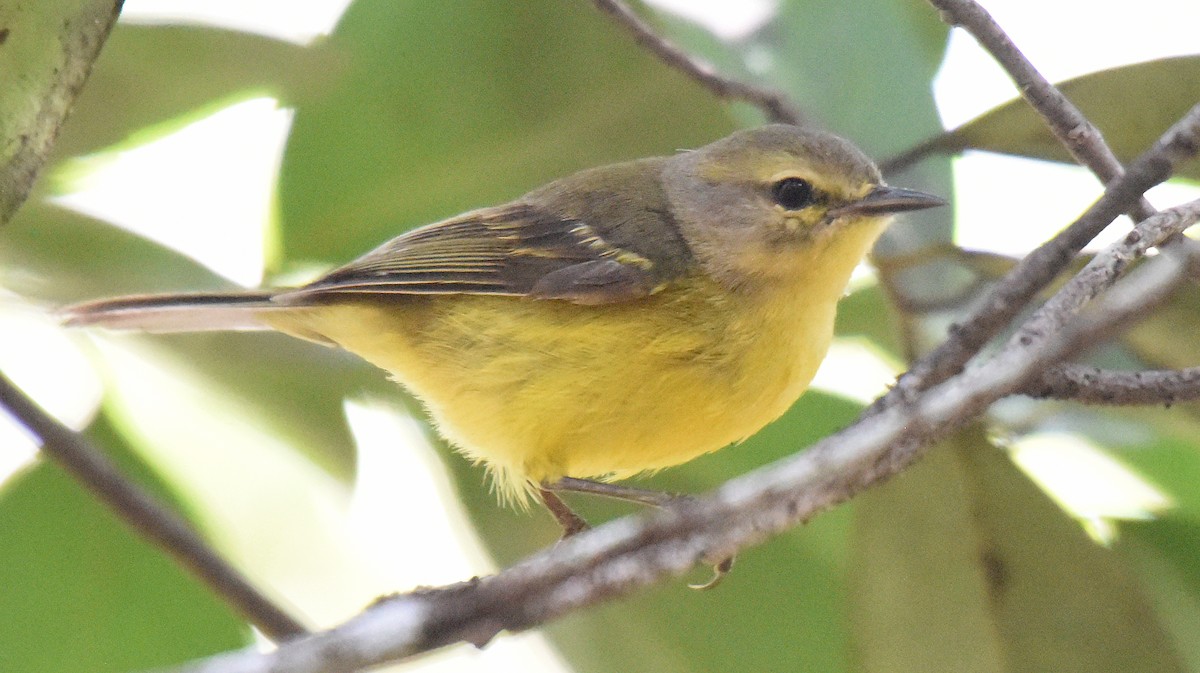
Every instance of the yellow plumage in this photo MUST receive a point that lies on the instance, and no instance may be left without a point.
(623, 319)
(539, 390)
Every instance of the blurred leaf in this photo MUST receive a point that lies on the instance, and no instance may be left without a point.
(1167, 554)
(868, 313)
(1157, 339)
(1161, 446)
(1016, 578)
(1132, 106)
(83, 593)
(46, 52)
(297, 388)
(880, 97)
(1061, 602)
(917, 581)
(59, 255)
(170, 75)
(440, 111)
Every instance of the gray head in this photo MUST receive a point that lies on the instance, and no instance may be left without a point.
(762, 201)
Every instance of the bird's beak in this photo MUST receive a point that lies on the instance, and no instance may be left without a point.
(884, 200)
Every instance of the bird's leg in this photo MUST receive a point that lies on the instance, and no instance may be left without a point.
(640, 496)
(566, 517)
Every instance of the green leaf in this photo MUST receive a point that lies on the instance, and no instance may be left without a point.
(868, 313)
(976, 554)
(1132, 106)
(297, 388)
(1156, 340)
(437, 112)
(1061, 602)
(1158, 443)
(59, 255)
(880, 97)
(1167, 554)
(84, 593)
(46, 52)
(917, 599)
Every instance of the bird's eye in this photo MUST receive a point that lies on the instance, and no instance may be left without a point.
(792, 193)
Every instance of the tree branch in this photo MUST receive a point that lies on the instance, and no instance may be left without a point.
(1087, 146)
(150, 518)
(629, 553)
(1066, 122)
(1105, 268)
(1091, 385)
(1078, 135)
(1036, 270)
(774, 104)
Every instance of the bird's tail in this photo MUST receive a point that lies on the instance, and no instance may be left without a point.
(162, 313)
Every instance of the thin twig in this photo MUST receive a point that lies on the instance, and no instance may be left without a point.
(150, 518)
(773, 103)
(1079, 136)
(1091, 385)
(1036, 270)
(626, 554)
(1105, 268)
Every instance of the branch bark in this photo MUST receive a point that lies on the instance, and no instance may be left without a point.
(1040, 267)
(1078, 135)
(1092, 385)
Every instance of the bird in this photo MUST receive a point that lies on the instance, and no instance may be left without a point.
(614, 322)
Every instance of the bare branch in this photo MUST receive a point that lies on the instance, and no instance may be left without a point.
(623, 555)
(774, 104)
(1105, 268)
(1078, 135)
(150, 518)
(1091, 385)
(1081, 138)
(1035, 271)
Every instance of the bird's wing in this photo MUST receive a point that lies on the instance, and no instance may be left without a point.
(515, 250)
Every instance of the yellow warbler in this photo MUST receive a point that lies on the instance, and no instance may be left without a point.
(622, 319)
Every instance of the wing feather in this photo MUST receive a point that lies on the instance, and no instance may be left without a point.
(515, 250)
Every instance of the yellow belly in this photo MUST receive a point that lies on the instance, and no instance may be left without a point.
(539, 390)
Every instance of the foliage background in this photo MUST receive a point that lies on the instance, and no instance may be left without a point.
(409, 112)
